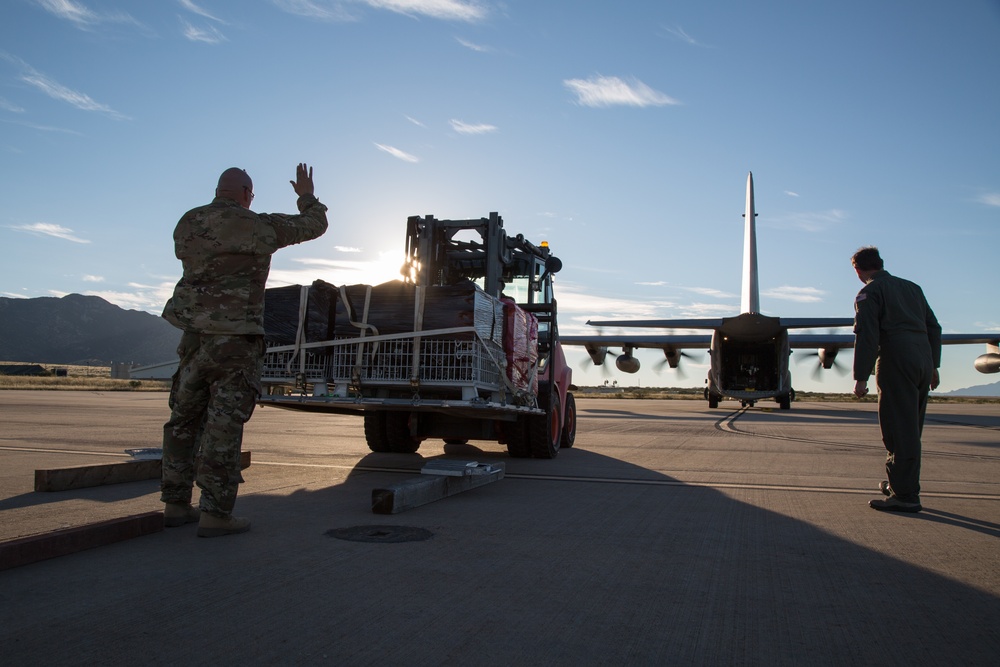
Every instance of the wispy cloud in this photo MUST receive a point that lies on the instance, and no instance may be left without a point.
(450, 10)
(148, 298)
(322, 10)
(989, 198)
(70, 11)
(10, 106)
(42, 128)
(341, 248)
(711, 291)
(82, 16)
(207, 35)
(415, 121)
(49, 229)
(195, 9)
(791, 194)
(607, 91)
(807, 221)
(466, 128)
(682, 35)
(577, 304)
(694, 310)
(57, 91)
(469, 11)
(473, 47)
(93, 279)
(396, 153)
(796, 294)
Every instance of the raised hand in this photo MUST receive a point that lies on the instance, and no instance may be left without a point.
(303, 182)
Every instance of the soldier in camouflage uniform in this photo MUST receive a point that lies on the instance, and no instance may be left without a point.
(225, 249)
(897, 334)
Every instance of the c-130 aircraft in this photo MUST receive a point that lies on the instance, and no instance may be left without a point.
(749, 353)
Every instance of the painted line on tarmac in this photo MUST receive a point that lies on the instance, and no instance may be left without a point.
(645, 482)
(592, 480)
(726, 424)
(741, 485)
(43, 450)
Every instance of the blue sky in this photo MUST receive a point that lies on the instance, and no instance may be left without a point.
(620, 132)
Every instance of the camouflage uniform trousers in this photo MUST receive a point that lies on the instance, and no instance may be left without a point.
(213, 395)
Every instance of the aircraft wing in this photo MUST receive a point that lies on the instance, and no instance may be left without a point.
(828, 341)
(968, 339)
(816, 322)
(838, 341)
(715, 323)
(658, 342)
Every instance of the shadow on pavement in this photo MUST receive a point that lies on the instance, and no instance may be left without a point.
(548, 566)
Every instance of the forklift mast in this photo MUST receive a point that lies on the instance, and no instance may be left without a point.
(446, 252)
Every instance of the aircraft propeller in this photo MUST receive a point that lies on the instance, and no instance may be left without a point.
(672, 357)
(587, 362)
(826, 358)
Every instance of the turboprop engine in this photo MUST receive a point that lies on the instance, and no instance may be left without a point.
(597, 353)
(827, 357)
(988, 363)
(626, 363)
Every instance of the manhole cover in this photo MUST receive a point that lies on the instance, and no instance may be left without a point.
(381, 534)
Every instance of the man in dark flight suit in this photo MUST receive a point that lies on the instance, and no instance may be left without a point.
(897, 335)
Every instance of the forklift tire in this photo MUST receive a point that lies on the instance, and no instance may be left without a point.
(545, 431)
(569, 423)
(516, 437)
(375, 431)
(397, 433)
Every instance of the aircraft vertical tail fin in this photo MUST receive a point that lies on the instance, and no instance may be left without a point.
(750, 299)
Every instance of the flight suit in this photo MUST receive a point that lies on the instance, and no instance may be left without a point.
(897, 334)
(226, 253)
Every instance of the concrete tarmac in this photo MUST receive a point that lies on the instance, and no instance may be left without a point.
(670, 534)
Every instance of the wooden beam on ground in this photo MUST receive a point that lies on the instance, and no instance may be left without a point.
(81, 477)
(34, 548)
(430, 487)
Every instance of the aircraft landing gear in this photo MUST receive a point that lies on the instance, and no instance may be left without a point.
(713, 400)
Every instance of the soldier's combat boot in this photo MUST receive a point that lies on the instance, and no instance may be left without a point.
(217, 526)
(178, 514)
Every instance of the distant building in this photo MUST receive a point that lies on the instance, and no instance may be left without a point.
(161, 371)
(22, 369)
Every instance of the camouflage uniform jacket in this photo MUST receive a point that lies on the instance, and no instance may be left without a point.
(889, 308)
(226, 253)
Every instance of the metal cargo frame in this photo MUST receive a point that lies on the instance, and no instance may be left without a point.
(454, 360)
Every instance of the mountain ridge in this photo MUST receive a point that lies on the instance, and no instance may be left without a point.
(81, 329)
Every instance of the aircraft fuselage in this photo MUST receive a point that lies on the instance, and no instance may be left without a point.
(749, 360)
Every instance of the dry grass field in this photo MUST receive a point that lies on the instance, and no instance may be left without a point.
(98, 378)
(76, 378)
